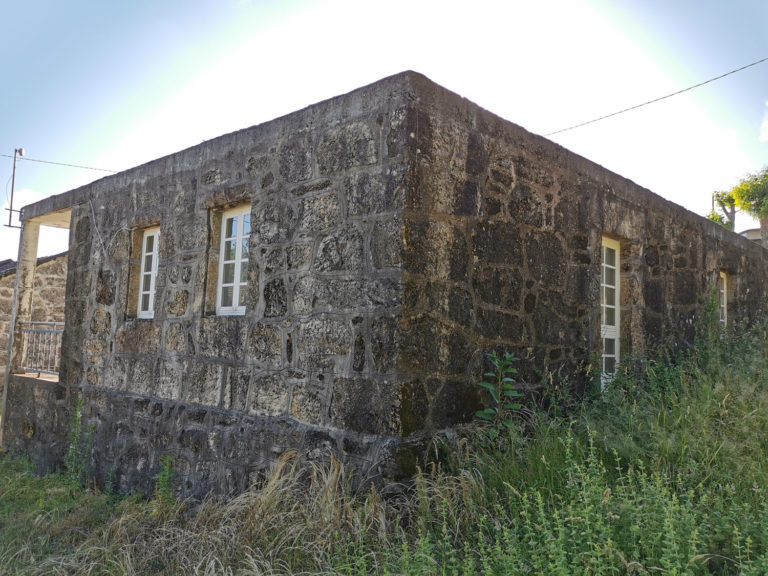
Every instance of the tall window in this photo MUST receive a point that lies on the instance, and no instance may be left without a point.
(722, 298)
(609, 307)
(233, 261)
(149, 250)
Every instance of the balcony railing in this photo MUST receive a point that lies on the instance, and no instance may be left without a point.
(41, 347)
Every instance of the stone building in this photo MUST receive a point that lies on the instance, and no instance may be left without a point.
(47, 306)
(333, 280)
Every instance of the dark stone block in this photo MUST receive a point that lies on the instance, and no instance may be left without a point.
(651, 256)
(387, 243)
(548, 326)
(105, 288)
(274, 221)
(477, 156)
(341, 250)
(497, 324)
(466, 199)
(221, 337)
(193, 440)
(498, 286)
(459, 351)
(437, 250)
(525, 208)
(265, 344)
(497, 243)
(420, 344)
(296, 160)
(369, 194)
(384, 342)
(685, 288)
(654, 296)
(358, 355)
(460, 307)
(414, 408)
(546, 258)
(342, 148)
(456, 401)
(275, 299)
(363, 405)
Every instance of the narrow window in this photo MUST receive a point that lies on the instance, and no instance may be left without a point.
(722, 298)
(233, 261)
(609, 307)
(148, 276)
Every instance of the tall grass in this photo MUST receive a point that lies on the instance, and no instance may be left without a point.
(665, 472)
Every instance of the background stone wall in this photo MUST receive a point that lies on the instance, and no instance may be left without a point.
(399, 233)
(47, 302)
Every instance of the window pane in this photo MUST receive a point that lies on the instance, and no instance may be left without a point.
(610, 296)
(146, 283)
(610, 276)
(229, 250)
(148, 263)
(609, 346)
(244, 252)
(149, 245)
(145, 302)
(241, 296)
(610, 257)
(246, 224)
(230, 227)
(229, 274)
(244, 272)
(609, 365)
(226, 296)
(610, 317)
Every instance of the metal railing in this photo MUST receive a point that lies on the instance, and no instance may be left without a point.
(41, 346)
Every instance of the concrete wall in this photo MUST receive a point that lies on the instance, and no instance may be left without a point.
(399, 234)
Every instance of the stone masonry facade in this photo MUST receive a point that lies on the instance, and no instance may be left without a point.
(397, 235)
(48, 298)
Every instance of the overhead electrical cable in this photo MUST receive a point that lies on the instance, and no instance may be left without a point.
(25, 159)
(635, 107)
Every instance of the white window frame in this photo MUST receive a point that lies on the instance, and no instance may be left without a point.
(610, 332)
(240, 236)
(148, 271)
(722, 298)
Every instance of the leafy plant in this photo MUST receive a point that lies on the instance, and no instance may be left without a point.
(164, 486)
(77, 460)
(501, 386)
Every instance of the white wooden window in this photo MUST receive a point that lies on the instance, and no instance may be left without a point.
(148, 277)
(233, 261)
(722, 298)
(610, 299)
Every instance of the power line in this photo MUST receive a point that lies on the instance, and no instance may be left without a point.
(657, 99)
(25, 159)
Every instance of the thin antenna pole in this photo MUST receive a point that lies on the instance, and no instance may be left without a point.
(19, 152)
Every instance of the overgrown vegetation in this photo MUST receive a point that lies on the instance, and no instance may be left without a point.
(664, 472)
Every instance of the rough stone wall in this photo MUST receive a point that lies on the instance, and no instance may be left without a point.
(399, 233)
(47, 302)
(316, 345)
(38, 421)
(504, 232)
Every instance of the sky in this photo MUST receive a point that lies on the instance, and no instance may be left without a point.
(113, 85)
